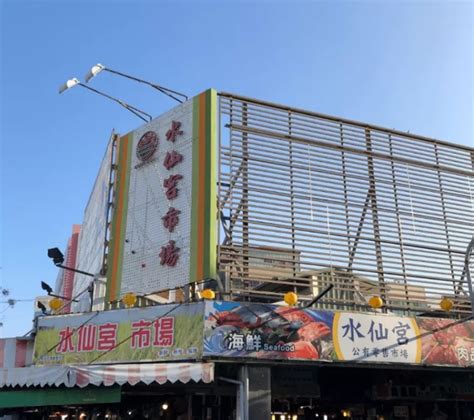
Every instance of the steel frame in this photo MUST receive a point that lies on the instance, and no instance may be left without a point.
(380, 211)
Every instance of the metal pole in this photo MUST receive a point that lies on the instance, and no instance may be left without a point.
(375, 217)
(75, 270)
(241, 397)
(468, 273)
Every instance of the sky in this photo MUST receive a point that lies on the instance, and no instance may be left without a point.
(398, 64)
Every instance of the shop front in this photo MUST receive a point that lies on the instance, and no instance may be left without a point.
(231, 360)
(151, 390)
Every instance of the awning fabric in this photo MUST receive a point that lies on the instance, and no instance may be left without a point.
(107, 375)
(34, 397)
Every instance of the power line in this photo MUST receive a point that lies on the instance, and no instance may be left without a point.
(71, 334)
(417, 337)
(124, 340)
(130, 336)
(16, 300)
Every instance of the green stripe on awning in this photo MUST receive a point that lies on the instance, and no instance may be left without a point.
(59, 396)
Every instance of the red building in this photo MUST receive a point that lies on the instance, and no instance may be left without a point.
(65, 281)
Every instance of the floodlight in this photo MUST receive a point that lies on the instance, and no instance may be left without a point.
(46, 287)
(94, 71)
(69, 84)
(138, 112)
(42, 307)
(56, 255)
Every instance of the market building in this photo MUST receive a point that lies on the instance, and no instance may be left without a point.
(256, 261)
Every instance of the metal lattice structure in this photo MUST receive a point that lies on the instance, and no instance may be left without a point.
(308, 200)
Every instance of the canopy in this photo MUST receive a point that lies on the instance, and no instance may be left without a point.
(107, 375)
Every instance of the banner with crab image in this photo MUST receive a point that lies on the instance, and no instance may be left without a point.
(264, 331)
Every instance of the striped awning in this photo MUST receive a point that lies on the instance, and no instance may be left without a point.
(15, 352)
(107, 375)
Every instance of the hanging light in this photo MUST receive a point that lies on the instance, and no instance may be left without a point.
(375, 302)
(446, 304)
(76, 82)
(291, 298)
(69, 84)
(129, 299)
(55, 304)
(164, 406)
(208, 294)
(98, 68)
(94, 71)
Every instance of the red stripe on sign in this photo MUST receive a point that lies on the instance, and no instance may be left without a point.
(2, 353)
(20, 355)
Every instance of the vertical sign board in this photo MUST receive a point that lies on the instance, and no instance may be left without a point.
(165, 207)
(92, 235)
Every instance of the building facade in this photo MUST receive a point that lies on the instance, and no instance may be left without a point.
(255, 200)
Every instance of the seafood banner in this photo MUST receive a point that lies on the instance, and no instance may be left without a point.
(262, 331)
(155, 333)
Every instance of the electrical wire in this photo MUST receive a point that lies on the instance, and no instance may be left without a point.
(74, 331)
(170, 289)
(417, 337)
(17, 300)
(71, 334)
(72, 299)
(130, 336)
(127, 338)
(4, 310)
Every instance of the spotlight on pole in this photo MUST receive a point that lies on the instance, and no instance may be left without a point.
(56, 255)
(138, 112)
(46, 287)
(95, 70)
(41, 307)
(68, 85)
(58, 258)
(49, 290)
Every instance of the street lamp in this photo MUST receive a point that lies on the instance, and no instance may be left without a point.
(95, 70)
(58, 258)
(41, 307)
(75, 82)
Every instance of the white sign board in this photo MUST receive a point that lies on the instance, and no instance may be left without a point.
(92, 236)
(165, 206)
(367, 338)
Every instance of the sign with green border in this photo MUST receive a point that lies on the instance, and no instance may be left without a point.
(157, 333)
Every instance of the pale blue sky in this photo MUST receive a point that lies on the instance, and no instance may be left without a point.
(404, 65)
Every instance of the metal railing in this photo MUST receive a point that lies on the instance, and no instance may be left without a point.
(307, 199)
